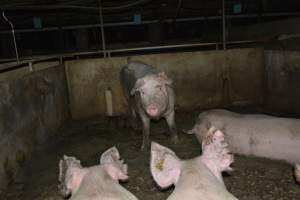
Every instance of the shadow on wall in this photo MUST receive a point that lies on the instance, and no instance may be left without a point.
(201, 80)
(31, 109)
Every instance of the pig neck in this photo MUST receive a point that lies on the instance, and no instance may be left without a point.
(197, 182)
(212, 165)
(98, 185)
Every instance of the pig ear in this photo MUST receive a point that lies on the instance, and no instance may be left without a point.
(165, 166)
(115, 172)
(64, 164)
(215, 150)
(113, 165)
(110, 155)
(138, 84)
(165, 79)
(75, 176)
(70, 175)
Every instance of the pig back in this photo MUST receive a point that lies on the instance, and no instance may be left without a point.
(197, 182)
(98, 185)
(255, 134)
(133, 71)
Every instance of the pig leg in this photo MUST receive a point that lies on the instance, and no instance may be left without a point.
(146, 131)
(170, 118)
(133, 118)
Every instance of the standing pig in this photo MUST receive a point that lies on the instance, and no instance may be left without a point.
(199, 178)
(254, 134)
(99, 182)
(150, 94)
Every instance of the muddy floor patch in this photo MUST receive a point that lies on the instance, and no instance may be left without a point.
(253, 178)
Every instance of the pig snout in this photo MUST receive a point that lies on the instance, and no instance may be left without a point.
(152, 110)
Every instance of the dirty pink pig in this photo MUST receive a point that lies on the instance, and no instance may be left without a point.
(150, 95)
(199, 178)
(99, 182)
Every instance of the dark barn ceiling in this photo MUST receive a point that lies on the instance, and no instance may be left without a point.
(79, 12)
(57, 26)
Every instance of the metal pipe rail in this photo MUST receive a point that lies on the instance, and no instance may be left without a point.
(10, 63)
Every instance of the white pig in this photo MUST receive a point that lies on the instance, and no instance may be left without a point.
(199, 178)
(254, 134)
(99, 182)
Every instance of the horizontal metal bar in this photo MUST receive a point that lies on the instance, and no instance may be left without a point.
(153, 21)
(34, 59)
(69, 7)
(160, 47)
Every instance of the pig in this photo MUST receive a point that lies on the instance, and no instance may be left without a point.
(150, 94)
(199, 178)
(99, 182)
(254, 134)
(297, 172)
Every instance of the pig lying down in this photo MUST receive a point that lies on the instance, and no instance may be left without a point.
(199, 178)
(150, 94)
(99, 182)
(254, 134)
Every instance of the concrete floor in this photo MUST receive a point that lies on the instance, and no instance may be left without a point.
(253, 178)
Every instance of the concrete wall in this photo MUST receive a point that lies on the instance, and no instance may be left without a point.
(201, 79)
(283, 85)
(32, 106)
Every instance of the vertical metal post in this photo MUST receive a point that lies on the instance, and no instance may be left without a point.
(13, 34)
(223, 24)
(102, 29)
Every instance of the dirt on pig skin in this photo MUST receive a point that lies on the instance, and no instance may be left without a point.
(253, 178)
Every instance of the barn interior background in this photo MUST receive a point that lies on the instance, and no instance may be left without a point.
(59, 57)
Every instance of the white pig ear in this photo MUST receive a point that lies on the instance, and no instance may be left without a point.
(165, 79)
(113, 165)
(165, 166)
(115, 172)
(215, 150)
(110, 155)
(138, 84)
(65, 163)
(74, 178)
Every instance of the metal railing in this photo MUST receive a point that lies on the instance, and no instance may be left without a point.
(11, 63)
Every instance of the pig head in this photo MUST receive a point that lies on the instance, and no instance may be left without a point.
(73, 177)
(199, 178)
(152, 91)
(69, 166)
